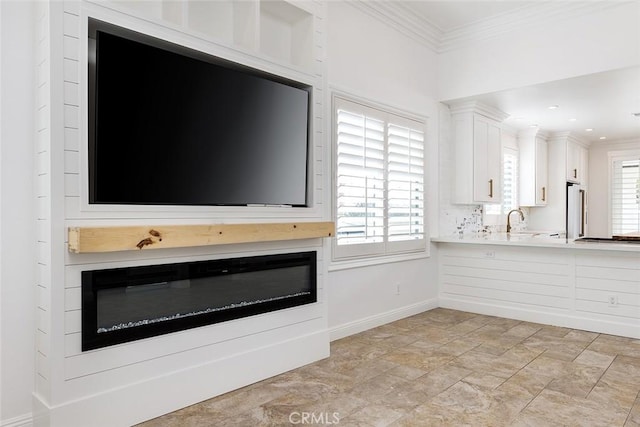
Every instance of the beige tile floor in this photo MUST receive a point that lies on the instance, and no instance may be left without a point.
(444, 367)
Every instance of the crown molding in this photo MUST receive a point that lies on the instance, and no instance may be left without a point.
(509, 129)
(478, 107)
(533, 133)
(524, 17)
(611, 146)
(567, 136)
(402, 17)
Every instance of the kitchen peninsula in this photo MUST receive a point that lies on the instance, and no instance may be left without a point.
(551, 280)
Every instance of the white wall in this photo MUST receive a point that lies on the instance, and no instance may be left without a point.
(599, 195)
(17, 243)
(370, 59)
(607, 39)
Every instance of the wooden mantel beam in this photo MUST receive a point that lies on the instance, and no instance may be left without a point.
(126, 238)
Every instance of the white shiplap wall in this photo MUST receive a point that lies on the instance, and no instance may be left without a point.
(565, 287)
(43, 201)
(526, 279)
(600, 277)
(74, 386)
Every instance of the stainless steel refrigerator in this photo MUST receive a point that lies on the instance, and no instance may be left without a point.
(576, 211)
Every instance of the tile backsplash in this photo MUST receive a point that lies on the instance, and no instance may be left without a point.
(464, 219)
(467, 219)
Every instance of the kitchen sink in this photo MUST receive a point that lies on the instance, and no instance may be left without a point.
(606, 240)
(528, 233)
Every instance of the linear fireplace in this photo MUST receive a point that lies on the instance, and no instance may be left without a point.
(127, 304)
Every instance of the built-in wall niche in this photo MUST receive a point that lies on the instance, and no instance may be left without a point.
(170, 11)
(286, 33)
(280, 29)
(234, 22)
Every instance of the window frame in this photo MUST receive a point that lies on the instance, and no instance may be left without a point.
(379, 251)
(614, 156)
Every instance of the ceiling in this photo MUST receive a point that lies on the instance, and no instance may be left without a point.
(604, 102)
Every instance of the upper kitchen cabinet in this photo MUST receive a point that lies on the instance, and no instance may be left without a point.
(560, 170)
(534, 166)
(477, 153)
(576, 162)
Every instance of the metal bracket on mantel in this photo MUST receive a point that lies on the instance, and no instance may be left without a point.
(126, 238)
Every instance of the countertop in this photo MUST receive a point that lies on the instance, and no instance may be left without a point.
(535, 240)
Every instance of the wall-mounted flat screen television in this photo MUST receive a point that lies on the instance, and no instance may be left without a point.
(174, 126)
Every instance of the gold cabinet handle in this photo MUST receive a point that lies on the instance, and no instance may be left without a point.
(544, 194)
(491, 188)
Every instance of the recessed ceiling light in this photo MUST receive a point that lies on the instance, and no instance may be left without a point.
(573, 119)
(589, 130)
(603, 137)
(553, 107)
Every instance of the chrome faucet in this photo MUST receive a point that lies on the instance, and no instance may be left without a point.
(509, 218)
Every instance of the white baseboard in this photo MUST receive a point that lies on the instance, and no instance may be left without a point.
(25, 420)
(567, 320)
(370, 322)
(137, 402)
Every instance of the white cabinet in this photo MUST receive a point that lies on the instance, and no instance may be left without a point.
(487, 155)
(576, 163)
(542, 166)
(560, 170)
(534, 166)
(477, 154)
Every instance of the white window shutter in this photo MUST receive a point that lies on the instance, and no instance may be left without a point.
(405, 183)
(379, 181)
(510, 181)
(625, 196)
(360, 179)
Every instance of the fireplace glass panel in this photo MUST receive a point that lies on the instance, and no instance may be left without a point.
(126, 304)
(157, 302)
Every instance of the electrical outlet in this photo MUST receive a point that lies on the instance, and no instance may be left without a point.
(613, 301)
(489, 254)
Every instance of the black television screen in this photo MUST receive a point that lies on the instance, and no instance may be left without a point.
(170, 126)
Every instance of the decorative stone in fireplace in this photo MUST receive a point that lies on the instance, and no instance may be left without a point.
(127, 304)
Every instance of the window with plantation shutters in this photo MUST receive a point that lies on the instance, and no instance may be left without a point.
(379, 181)
(625, 194)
